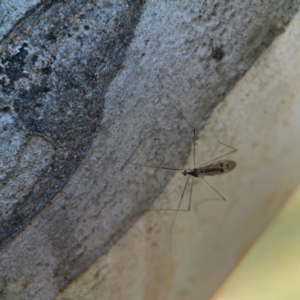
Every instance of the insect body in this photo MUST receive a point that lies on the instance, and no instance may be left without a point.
(219, 167)
(212, 167)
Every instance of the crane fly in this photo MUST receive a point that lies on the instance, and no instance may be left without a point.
(210, 169)
(213, 167)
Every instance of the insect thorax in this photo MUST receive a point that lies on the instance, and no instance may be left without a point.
(192, 172)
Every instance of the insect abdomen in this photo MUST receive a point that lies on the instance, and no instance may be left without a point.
(217, 168)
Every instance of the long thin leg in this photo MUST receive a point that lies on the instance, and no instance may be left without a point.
(141, 165)
(194, 148)
(194, 131)
(174, 105)
(177, 210)
(191, 193)
(213, 189)
(223, 155)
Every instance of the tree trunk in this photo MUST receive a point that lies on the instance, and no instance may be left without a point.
(87, 89)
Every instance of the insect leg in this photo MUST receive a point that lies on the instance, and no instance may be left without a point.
(223, 155)
(142, 165)
(194, 130)
(177, 210)
(213, 190)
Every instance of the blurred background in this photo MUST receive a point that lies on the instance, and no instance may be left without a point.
(271, 269)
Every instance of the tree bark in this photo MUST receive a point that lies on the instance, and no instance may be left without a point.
(86, 87)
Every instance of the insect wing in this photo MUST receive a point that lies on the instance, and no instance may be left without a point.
(220, 167)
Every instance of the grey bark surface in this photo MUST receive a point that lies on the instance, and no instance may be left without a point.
(79, 91)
